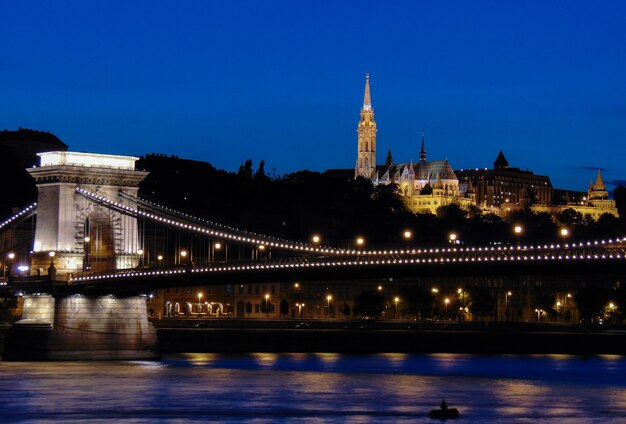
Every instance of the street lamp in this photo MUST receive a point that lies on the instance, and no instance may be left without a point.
(160, 259)
(539, 312)
(452, 238)
(217, 246)
(140, 253)
(517, 230)
(328, 298)
(380, 288)
(11, 257)
(199, 301)
(267, 297)
(506, 302)
(446, 301)
(183, 255)
(360, 241)
(316, 239)
(87, 251)
(300, 306)
(395, 312)
(407, 234)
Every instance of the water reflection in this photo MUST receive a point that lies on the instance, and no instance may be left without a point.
(316, 388)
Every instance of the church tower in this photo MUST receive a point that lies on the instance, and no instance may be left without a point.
(366, 157)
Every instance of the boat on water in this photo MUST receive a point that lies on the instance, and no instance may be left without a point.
(444, 413)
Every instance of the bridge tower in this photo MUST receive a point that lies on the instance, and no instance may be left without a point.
(84, 235)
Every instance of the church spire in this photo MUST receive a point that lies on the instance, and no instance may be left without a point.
(367, 100)
(389, 161)
(423, 151)
(366, 130)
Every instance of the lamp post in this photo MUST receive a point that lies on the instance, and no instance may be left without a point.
(11, 257)
(360, 242)
(564, 233)
(267, 297)
(395, 311)
(407, 235)
(328, 299)
(316, 239)
(506, 303)
(452, 238)
(558, 310)
(199, 301)
(52, 271)
(87, 249)
(518, 230)
(217, 246)
(539, 311)
(183, 256)
(140, 253)
(300, 306)
(446, 301)
(160, 260)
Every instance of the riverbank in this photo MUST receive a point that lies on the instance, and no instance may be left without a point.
(360, 337)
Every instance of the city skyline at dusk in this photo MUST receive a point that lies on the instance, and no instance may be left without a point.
(283, 82)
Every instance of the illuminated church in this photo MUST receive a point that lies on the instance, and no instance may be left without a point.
(425, 185)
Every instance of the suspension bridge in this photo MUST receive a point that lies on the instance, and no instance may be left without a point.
(95, 237)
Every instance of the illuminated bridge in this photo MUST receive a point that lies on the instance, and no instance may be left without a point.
(94, 236)
(314, 263)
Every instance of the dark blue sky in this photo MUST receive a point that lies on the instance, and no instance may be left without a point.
(223, 81)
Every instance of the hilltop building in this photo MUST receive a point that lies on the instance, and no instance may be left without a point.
(595, 203)
(505, 187)
(425, 185)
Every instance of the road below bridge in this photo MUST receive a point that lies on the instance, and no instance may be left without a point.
(370, 336)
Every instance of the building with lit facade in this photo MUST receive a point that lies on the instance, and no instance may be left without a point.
(424, 185)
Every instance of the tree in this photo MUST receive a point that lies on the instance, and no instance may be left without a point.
(570, 216)
(481, 301)
(369, 303)
(417, 301)
(284, 308)
(7, 308)
(619, 194)
(547, 302)
(452, 213)
(591, 301)
(345, 309)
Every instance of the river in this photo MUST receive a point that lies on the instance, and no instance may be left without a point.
(316, 388)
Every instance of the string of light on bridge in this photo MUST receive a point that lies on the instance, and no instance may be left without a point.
(258, 241)
(317, 263)
(28, 209)
(306, 248)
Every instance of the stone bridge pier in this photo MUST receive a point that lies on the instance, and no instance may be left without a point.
(79, 327)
